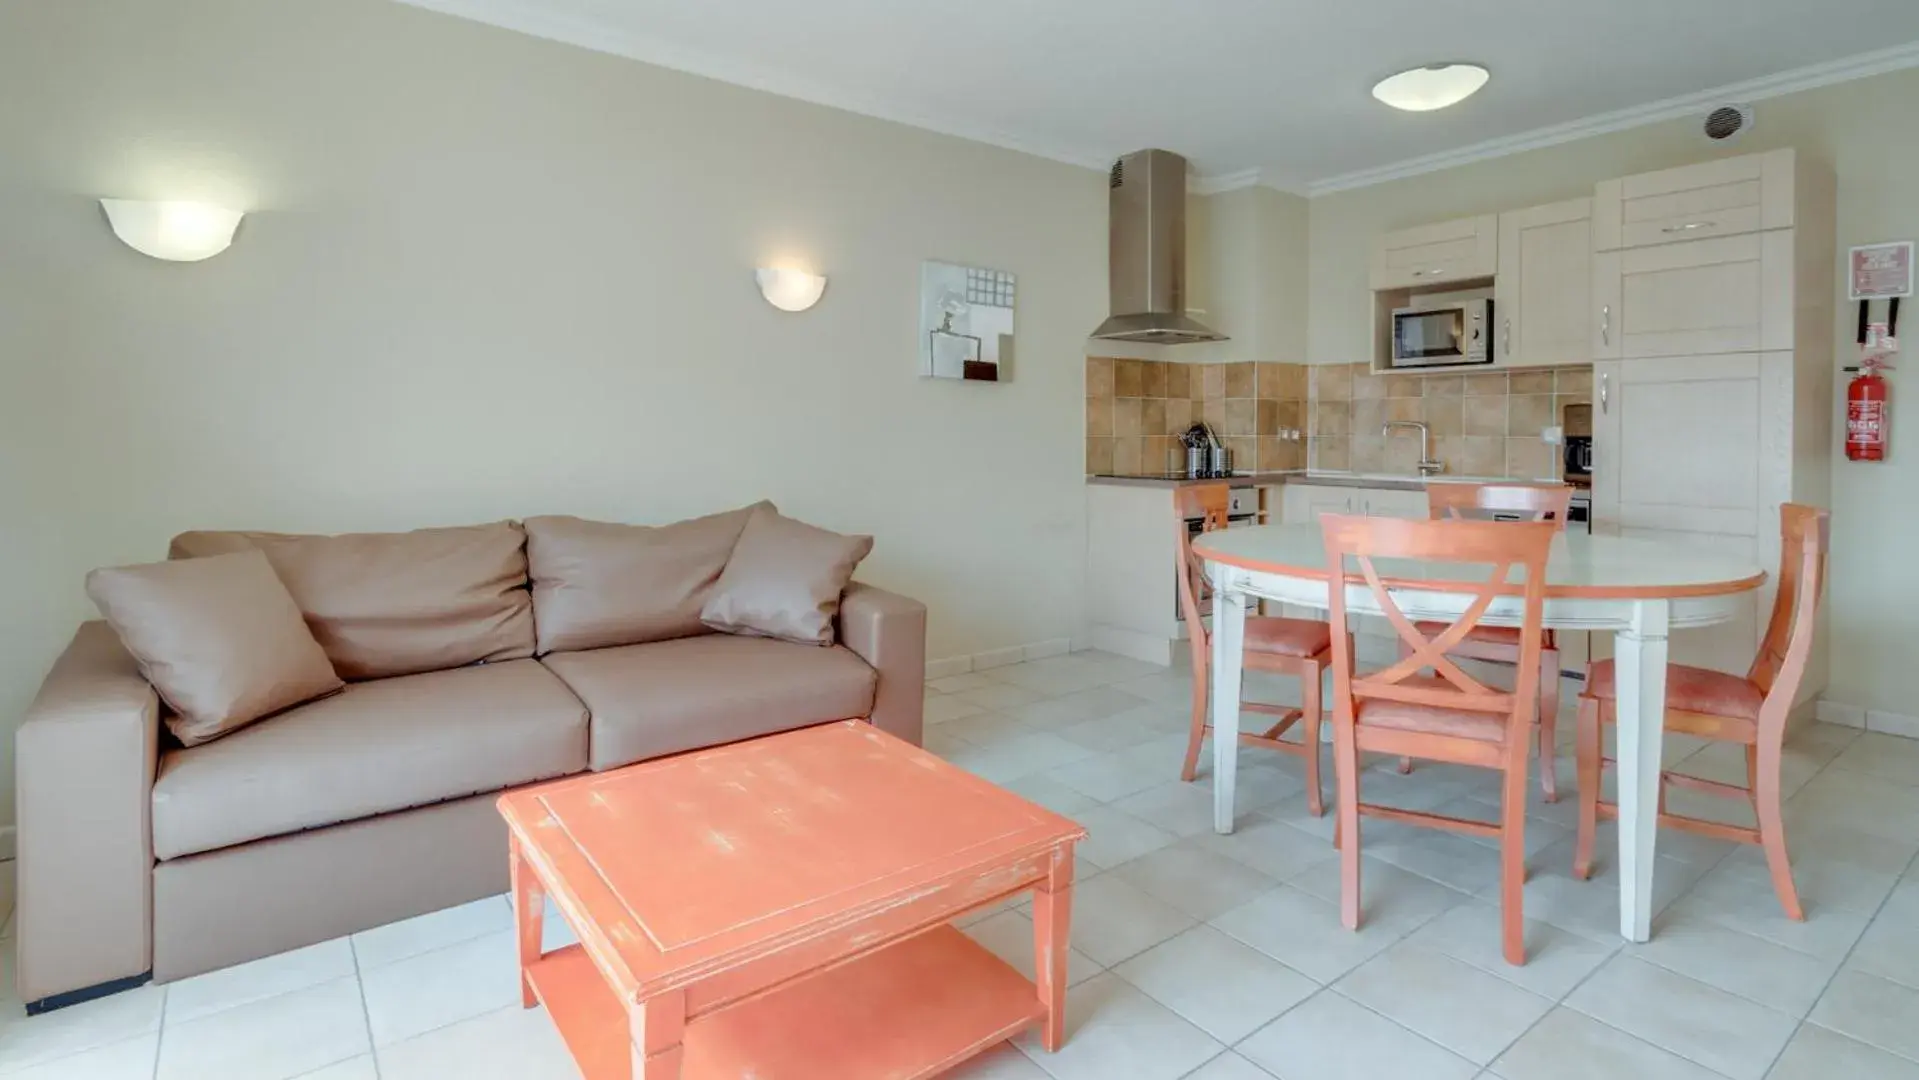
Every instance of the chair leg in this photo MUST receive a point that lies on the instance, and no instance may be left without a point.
(1512, 862)
(1311, 703)
(1772, 832)
(1191, 768)
(1588, 756)
(1549, 724)
(1346, 768)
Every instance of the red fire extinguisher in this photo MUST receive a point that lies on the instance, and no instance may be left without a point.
(1866, 419)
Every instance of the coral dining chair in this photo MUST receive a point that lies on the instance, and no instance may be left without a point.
(1500, 644)
(1301, 648)
(1750, 710)
(1448, 716)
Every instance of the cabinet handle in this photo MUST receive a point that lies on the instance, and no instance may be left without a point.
(1509, 336)
(1604, 393)
(1427, 273)
(1605, 325)
(1689, 226)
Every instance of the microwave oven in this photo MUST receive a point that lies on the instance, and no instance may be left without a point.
(1450, 332)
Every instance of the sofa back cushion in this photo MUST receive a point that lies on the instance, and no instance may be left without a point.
(385, 604)
(784, 580)
(597, 584)
(219, 639)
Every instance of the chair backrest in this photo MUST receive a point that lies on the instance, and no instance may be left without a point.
(1501, 546)
(1209, 502)
(1805, 537)
(1500, 502)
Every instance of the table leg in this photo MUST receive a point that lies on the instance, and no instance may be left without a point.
(1052, 933)
(1640, 662)
(658, 1025)
(1229, 636)
(529, 914)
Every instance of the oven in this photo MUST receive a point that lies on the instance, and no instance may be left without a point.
(1242, 509)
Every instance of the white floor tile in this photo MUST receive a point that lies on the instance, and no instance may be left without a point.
(1816, 1053)
(275, 1039)
(1114, 921)
(1195, 880)
(953, 684)
(506, 1044)
(420, 993)
(434, 930)
(1385, 891)
(1009, 936)
(1275, 848)
(1872, 1010)
(1229, 1066)
(1698, 1022)
(1753, 968)
(1003, 1062)
(203, 995)
(1114, 775)
(1569, 1045)
(1556, 960)
(944, 709)
(1181, 808)
(1888, 757)
(1114, 1030)
(130, 1059)
(1089, 708)
(26, 1040)
(1053, 795)
(1331, 1038)
(1114, 837)
(1303, 932)
(1453, 1003)
(1005, 759)
(359, 1068)
(1890, 948)
(998, 695)
(1733, 900)
(1226, 988)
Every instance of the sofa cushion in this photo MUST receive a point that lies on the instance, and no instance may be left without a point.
(219, 639)
(385, 604)
(668, 696)
(784, 579)
(374, 747)
(596, 583)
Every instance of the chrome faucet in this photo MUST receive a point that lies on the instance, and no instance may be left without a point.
(1427, 466)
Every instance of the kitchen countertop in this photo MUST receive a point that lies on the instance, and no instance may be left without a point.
(1375, 481)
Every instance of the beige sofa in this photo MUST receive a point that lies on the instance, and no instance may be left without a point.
(140, 858)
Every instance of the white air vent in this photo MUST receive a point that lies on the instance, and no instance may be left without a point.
(1728, 122)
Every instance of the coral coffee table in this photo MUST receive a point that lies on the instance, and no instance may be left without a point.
(780, 909)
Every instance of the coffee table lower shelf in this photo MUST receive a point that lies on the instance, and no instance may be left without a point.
(913, 1009)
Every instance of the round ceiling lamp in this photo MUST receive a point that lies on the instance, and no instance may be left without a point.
(1424, 89)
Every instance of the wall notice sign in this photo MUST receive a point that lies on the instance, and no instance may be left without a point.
(1878, 271)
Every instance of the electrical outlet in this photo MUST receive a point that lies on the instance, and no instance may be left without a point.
(1552, 436)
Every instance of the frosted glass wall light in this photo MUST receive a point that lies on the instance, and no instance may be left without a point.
(175, 231)
(790, 290)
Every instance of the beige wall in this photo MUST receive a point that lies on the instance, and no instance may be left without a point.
(1863, 129)
(490, 276)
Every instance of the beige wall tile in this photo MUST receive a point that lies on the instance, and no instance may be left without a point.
(1406, 408)
(1099, 376)
(1268, 412)
(1129, 455)
(1153, 379)
(1129, 378)
(1332, 418)
(1528, 414)
(1483, 415)
(1179, 380)
(1368, 386)
(1282, 382)
(1239, 380)
(1099, 416)
(1488, 382)
(1158, 455)
(1406, 385)
(1403, 449)
(1292, 416)
(1443, 386)
(1530, 382)
(1480, 455)
(1335, 454)
(1448, 449)
(1214, 381)
(1530, 459)
(1369, 415)
(1245, 450)
(1242, 416)
(1214, 413)
(1099, 455)
(1128, 417)
(1446, 416)
(1369, 454)
(1573, 381)
(1152, 416)
(1332, 382)
(1179, 415)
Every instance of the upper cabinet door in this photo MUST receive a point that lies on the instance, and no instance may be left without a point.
(1727, 197)
(1437, 254)
(1542, 301)
(1730, 294)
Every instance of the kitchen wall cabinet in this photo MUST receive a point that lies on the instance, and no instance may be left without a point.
(1542, 296)
(1726, 294)
(1728, 197)
(1434, 255)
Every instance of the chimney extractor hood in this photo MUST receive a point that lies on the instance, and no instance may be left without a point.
(1146, 250)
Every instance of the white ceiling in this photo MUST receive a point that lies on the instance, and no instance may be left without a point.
(1277, 86)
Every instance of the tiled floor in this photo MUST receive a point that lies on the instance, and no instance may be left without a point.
(1209, 957)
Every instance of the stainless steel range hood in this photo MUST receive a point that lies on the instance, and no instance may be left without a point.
(1147, 253)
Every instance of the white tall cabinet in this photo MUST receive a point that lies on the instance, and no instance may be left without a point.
(1712, 309)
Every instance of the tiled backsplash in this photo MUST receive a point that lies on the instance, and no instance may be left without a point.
(1483, 424)
(1136, 410)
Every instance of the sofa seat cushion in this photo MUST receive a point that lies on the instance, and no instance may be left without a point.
(373, 748)
(664, 697)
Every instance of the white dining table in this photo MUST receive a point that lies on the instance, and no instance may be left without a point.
(1638, 590)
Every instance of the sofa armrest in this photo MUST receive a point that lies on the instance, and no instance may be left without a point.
(888, 631)
(84, 762)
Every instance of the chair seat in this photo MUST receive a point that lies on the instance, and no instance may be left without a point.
(1287, 637)
(1482, 634)
(1688, 689)
(1430, 719)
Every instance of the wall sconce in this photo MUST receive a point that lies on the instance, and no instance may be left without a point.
(174, 231)
(790, 290)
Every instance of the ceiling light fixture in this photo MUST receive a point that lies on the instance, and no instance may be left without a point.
(1424, 89)
(174, 231)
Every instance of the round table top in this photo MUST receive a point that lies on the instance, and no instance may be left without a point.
(1582, 565)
